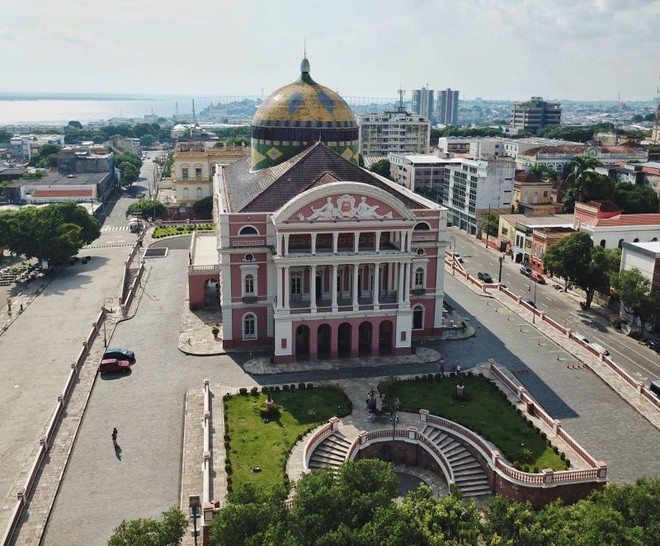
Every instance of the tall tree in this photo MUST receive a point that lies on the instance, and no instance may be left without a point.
(634, 290)
(578, 167)
(577, 260)
(382, 168)
(150, 532)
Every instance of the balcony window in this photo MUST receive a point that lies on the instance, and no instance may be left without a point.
(184, 173)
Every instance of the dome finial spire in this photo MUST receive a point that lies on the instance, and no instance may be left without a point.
(304, 66)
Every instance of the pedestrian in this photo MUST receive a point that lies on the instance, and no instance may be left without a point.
(458, 368)
(442, 366)
(114, 438)
(453, 368)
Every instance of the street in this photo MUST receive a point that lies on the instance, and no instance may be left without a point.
(639, 361)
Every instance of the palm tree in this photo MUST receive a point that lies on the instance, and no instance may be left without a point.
(579, 166)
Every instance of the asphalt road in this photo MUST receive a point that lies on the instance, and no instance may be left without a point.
(638, 360)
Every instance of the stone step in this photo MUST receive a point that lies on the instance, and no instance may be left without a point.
(468, 473)
(469, 484)
(460, 457)
(455, 451)
(466, 464)
(319, 461)
(330, 453)
(481, 492)
(337, 441)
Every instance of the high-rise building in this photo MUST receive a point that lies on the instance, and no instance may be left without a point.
(422, 102)
(394, 131)
(531, 115)
(447, 112)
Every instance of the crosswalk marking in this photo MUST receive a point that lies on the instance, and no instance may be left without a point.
(114, 228)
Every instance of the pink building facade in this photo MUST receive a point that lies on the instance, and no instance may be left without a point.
(346, 263)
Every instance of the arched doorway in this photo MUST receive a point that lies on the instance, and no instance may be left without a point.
(385, 338)
(323, 343)
(365, 336)
(344, 338)
(302, 342)
(211, 293)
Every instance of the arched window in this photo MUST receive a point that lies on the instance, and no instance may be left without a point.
(422, 226)
(419, 277)
(249, 326)
(185, 193)
(248, 230)
(603, 243)
(418, 317)
(199, 193)
(248, 285)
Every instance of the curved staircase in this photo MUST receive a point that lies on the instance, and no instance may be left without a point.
(469, 477)
(331, 452)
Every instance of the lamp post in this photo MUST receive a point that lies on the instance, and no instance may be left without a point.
(194, 504)
(395, 417)
(501, 259)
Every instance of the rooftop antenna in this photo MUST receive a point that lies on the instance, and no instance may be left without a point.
(655, 135)
(193, 112)
(304, 66)
(401, 92)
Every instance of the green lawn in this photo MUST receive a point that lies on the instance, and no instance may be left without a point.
(252, 441)
(167, 231)
(484, 411)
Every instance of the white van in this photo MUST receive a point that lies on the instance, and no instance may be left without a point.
(600, 349)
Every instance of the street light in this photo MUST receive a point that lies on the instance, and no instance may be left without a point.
(395, 417)
(194, 504)
(501, 258)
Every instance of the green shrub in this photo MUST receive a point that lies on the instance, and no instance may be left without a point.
(254, 391)
(243, 391)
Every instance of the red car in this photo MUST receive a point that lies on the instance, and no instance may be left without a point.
(112, 365)
(537, 277)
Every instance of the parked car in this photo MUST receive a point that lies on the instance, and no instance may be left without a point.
(112, 365)
(119, 354)
(655, 387)
(527, 271)
(530, 303)
(537, 277)
(485, 277)
(654, 344)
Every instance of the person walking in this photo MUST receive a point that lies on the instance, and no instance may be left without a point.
(458, 369)
(114, 438)
(442, 366)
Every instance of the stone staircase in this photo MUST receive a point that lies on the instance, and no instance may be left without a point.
(469, 477)
(331, 452)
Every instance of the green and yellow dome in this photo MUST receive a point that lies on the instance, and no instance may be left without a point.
(299, 114)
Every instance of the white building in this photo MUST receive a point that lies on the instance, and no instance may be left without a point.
(423, 174)
(23, 147)
(394, 131)
(645, 257)
(473, 186)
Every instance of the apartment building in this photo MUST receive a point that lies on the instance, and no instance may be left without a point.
(531, 115)
(394, 131)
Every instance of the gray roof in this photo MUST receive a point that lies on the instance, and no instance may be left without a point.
(269, 189)
(57, 179)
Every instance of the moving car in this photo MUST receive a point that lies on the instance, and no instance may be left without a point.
(112, 365)
(582, 338)
(530, 303)
(485, 277)
(119, 354)
(600, 349)
(654, 344)
(458, 257)
(537, 277)
(527, 271)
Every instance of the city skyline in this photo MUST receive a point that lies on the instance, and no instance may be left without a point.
(506, 50)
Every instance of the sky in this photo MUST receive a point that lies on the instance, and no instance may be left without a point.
(493, 49)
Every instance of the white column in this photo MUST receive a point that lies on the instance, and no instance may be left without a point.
(356, 242)
(313, 244)
(406, 281)
(287, 287)
(355, 284)
(312, 288)
(400, 276)
(286, 244)
(377, 236)
(333, 284)
(335, 239)
(376, 286)
(278, 287)
(409, 245)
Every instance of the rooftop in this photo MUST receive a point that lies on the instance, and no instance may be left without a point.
(540, 221)
(57, 179)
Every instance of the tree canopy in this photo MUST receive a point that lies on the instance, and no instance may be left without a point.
(54, 233)
(46, 157)
(634, 290)
(575, 259)
(129, 165)
(149, 532)
(203, 207)
(382, 168)
(146, 208)
(357, 506)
